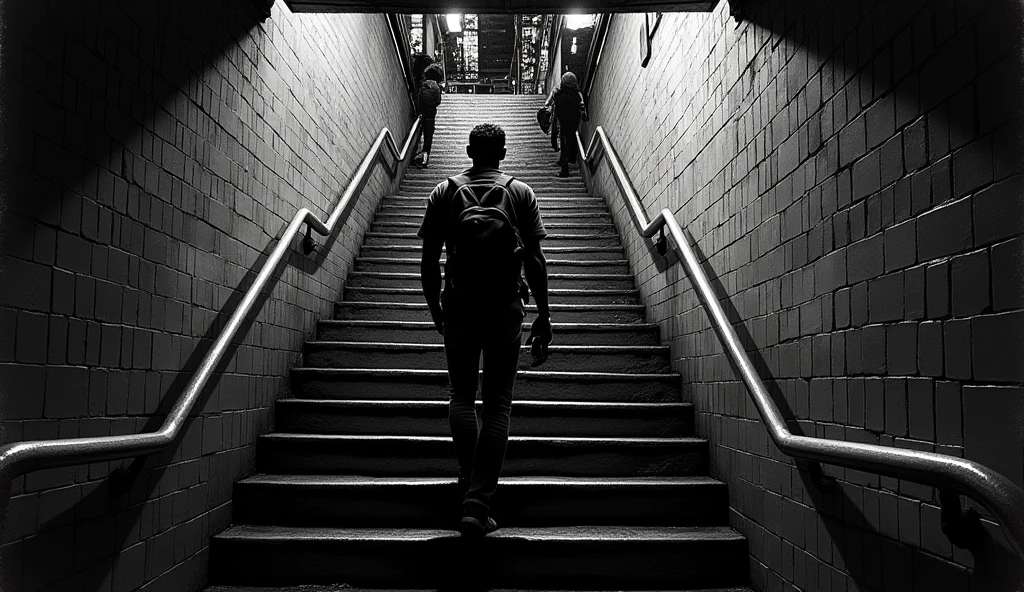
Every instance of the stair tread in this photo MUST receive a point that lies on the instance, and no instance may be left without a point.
(254, 532)
(521, 374)
(405, 404)
(284, 480)
(412, 274)
(430, 325)
(382, 345)
(347, 588)
(561, 440)
(530, 307)
(563, 291)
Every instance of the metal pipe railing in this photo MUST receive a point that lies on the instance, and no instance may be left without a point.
(954, 475)
(20, 457)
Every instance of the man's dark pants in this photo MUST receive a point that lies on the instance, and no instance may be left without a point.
(567, 131)
(480, 445)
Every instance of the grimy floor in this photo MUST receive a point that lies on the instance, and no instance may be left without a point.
(605, 486)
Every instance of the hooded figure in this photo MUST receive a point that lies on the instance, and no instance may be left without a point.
(428, 97)
(569, 110)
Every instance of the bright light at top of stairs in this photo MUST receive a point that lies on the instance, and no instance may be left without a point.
(454, 22)
(578, 21)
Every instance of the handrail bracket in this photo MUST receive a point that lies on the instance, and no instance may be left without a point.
(961, 526)
(308, 244)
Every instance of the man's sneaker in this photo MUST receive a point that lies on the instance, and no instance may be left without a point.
(425, 161)
(471, 526)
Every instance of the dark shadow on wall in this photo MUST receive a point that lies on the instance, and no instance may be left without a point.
(83, 78)
(920, 51)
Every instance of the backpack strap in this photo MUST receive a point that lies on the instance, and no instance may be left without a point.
(504, 180)
(458, 182)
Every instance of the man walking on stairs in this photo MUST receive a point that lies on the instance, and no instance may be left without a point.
(491, 227)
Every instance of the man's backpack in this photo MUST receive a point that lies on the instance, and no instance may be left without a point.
(485, 251)
(429, 95)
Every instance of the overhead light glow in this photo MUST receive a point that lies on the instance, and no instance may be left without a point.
(578, 21)
(454, 22)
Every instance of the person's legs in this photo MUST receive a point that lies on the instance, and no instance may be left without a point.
(428, 139)
(501, 359)
(563, 158)
(462, 352)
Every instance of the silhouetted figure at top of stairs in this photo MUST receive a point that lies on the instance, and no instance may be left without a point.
(604, 485)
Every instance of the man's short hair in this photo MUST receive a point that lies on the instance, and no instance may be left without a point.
(487, 140)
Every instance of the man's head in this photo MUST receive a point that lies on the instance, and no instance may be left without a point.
(433, 72)
(569, 81)
(486, 144)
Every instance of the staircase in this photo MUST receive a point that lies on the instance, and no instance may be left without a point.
(604, 485)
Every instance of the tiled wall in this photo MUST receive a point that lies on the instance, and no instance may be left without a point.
(850, 169)
(153, 152)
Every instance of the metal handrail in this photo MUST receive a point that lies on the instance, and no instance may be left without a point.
(20, 457)
(952, 475)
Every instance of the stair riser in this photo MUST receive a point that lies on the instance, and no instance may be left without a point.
(555, 298)
(567, 253)
(368, 313)
(383, 458)
(561, 240)
(578, 423)
(560, 217)
(546, 182)
(571, 229)
(559, 361)
(553, 194)
(491, 562)
(547, 210)
(571, 282)
(326, 332)
(410, 265)
(439, 506)
(341, 387)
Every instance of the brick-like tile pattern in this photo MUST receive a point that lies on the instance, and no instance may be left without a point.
(851, 172)
(153, 151)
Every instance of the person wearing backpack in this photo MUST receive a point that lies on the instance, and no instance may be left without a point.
(489, 223)
(428, 97)
(569, 110)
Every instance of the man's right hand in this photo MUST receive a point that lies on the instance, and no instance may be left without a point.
(539, 339)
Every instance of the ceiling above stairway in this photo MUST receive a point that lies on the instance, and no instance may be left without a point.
(500, 6)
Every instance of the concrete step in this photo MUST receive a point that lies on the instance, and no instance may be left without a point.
(415, 207)
(537, 384)
(407, 236)
(604, 281)
(540, 170)
(433, 456)
(564, 196)
(555, 252)
(546, 180)
(412, 265)
(424, 332)
(600, 557)
(563, 313)
(530, 418)
(649, 359)
(560, 217)
(347, 588)
(366, 502)
(555, 295)
(576, 228)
